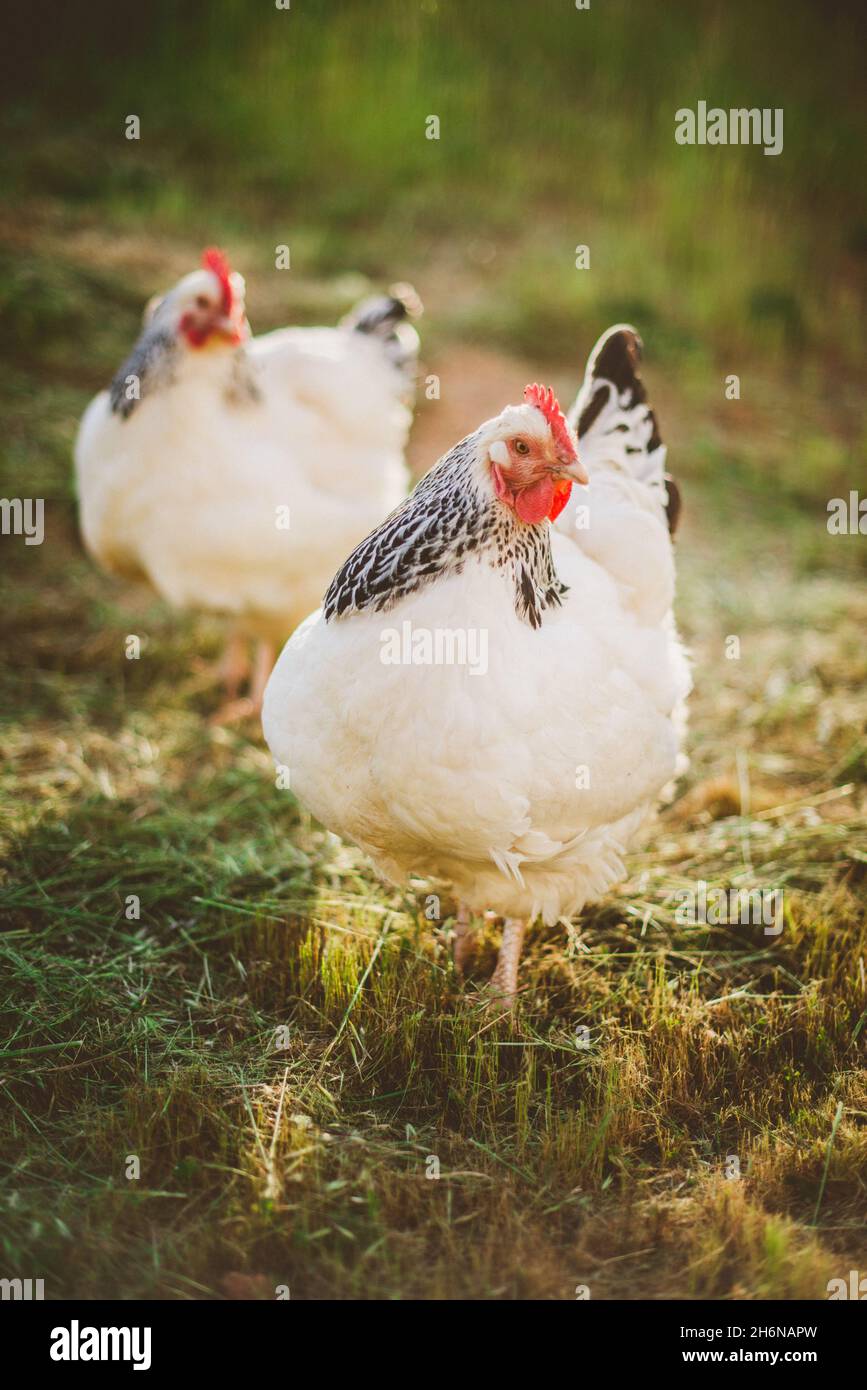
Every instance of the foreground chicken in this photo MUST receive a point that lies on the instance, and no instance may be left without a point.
(234, 473)
(488, 698)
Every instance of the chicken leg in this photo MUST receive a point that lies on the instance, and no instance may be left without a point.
(247, 706)
(263, 665)
(234, 665)
(503, 984)
(464, 940)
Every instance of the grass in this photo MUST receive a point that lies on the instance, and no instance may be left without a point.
(301, 1157)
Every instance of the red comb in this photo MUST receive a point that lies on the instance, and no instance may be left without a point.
(543, 398)
(214, 259)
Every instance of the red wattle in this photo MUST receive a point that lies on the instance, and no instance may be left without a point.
(196, 337)
(562, 493)
(534, 503)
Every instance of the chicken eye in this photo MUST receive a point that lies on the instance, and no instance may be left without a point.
(202, 302)
(521, 446)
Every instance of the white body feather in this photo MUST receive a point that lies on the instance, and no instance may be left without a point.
(523, 785)
(186, 490)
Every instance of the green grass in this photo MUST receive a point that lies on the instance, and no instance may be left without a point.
(305, 1164)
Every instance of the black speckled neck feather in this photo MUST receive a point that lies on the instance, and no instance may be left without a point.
(443, 525)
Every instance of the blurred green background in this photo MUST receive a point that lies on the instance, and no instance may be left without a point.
(307, 126)
(262, 127)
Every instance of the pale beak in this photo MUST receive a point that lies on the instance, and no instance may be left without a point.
(233, 326)
(574, 471)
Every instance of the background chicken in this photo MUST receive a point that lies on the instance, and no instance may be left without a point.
(234, 472)
(524, 782)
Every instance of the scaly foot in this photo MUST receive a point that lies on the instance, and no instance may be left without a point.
(502, 987)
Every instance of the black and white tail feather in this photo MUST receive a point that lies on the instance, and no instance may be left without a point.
(385, 316)
(614, 421)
